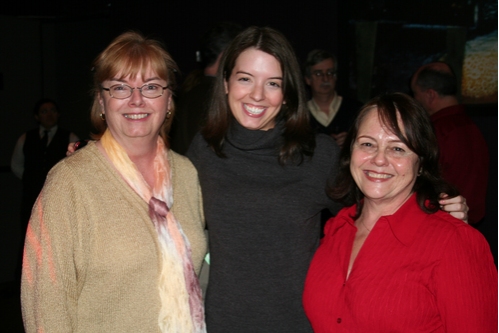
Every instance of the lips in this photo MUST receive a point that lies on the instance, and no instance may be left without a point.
(254, 111)
(136, 116)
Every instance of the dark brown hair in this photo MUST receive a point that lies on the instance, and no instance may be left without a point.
(297, 139)
(419, 137)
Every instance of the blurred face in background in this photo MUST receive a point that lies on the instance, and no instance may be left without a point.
(323, 78)
(47, 116)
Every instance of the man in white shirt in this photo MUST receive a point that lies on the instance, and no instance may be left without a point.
(37, 151)
(331, 113)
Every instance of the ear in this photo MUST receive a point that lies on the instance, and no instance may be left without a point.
(307, 80)
(431, 96)
(169, 104)
(101, 100)
(226, 85)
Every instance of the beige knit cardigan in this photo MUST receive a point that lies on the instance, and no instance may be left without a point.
(92, 260)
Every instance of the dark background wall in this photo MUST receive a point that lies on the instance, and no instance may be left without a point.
(46, 49)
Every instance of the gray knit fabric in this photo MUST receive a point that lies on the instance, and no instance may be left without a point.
(264, 226)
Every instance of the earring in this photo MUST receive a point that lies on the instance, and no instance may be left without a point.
(168, 114)
(102, 116)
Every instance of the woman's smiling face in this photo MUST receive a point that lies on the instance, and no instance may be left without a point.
(254, 89)
(135, 116)
(383, 167)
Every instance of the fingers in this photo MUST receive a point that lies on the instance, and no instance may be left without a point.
(71, 148)
(459, 210)
(446, 200)
(460, 215)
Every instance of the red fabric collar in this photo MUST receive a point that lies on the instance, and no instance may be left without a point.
(404, 223)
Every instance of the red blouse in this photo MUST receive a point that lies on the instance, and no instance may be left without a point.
(416, 272)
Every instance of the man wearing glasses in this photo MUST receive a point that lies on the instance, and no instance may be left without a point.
(331, 113)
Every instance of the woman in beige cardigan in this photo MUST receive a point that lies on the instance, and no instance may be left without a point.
(116, 236)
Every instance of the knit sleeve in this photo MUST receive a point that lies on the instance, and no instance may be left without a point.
(49, 287)
(466, 284)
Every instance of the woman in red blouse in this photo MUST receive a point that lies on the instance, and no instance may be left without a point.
(394, 262)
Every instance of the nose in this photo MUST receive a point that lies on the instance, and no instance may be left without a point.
(257, 93)
(136, 99)
(379, 158)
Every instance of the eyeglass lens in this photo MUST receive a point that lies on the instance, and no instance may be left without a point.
(122, 91)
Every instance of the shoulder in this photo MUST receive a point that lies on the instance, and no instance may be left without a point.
(84, 164)
(180, 163)
(326, 147)
(453, 120)
(35, 132)
(197, 148)
(453, 232)
(344, 216)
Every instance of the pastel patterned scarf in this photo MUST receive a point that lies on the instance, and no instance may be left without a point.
(181, 301)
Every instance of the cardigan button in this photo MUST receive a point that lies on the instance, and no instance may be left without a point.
(338, 320)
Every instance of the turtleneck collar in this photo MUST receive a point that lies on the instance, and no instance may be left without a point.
(255, 141)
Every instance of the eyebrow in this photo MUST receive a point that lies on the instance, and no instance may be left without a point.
(270, 78)
(372, 138)
(145, 81)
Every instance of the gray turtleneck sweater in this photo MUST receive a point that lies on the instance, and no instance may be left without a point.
(264, 227)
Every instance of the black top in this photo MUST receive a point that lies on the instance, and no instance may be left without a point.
(264, 227)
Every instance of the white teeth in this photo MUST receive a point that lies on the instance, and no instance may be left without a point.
(378, 175)
(136, 116)
(253, 109)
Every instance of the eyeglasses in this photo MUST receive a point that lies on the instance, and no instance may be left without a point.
(148, 90)
(320, 74)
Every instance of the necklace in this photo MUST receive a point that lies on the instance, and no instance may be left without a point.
(369, 230)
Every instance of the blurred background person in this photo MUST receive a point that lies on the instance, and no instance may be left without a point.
(117, 234)
(37, 151)
(194, 100)
(392, 261)
(464, 155)
(331, 113)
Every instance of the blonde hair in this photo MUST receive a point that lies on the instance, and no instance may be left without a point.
(130, 54)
